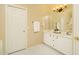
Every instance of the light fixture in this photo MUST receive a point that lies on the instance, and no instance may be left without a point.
(60, 8)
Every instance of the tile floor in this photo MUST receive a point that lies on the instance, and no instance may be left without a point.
(38, 50)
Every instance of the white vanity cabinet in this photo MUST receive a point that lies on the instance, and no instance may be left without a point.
(60, 43)
(47, 39)
(63, 44)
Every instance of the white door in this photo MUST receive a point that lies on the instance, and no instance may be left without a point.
(15, 29)
(76, 27)
(77, 47)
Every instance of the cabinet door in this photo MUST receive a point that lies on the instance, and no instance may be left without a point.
(58, 43)
(47, 38)
(64, 45)
(53, 38)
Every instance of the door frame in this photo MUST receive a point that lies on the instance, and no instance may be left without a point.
(4, 41)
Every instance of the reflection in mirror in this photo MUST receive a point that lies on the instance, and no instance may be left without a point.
(68, 20)
(59, 21)
(64, 23)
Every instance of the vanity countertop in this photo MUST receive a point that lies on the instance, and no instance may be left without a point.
(61, 34)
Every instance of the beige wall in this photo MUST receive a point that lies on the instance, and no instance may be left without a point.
(35, 12)
(2, 27)
(2, 22)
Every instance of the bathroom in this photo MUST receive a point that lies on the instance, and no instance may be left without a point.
(46, 29)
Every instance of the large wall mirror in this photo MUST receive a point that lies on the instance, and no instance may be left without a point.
(59, 21)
